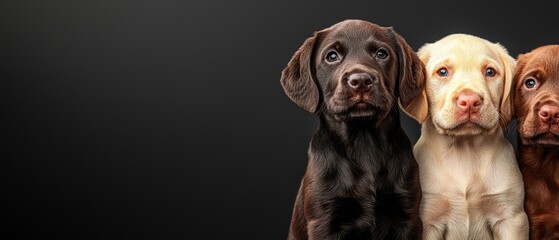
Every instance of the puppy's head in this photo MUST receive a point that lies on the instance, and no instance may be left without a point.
(536, 96)
(354, 70)
(468, 85)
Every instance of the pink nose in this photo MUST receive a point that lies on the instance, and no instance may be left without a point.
(469, 102)
(549, 114)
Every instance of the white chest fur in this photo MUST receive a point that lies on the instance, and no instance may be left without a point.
(469, 185)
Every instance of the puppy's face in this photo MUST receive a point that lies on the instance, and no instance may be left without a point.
(353, 70)
(356, 69)
(468, 82)
(536, 96)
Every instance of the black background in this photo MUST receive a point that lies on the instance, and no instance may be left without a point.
(166, 119)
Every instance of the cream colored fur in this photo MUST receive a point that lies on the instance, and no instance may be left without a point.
(472, 187)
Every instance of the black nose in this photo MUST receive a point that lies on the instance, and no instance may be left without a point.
(360, 82)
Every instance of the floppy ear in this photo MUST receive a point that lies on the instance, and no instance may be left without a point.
(297, 78)
(509, 63)
(411, 87)
(520, 64)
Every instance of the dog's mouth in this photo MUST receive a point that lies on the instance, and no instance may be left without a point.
(534, 132)
(462, 128)
(546, 139)
(358, 111)
(362, 105)
(358, 107)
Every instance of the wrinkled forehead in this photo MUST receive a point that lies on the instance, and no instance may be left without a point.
(356, 33)
(469, 52)
(545, 60)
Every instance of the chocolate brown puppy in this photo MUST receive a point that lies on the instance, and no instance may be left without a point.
(536, 106)
(361, 180)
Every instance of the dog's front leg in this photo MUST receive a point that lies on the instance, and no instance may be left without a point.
(434, 212)
(512, 227)
(320, 230)
(432, 232)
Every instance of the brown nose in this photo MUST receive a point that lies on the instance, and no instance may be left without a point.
(549, 114)
(469, 102)
(360, 82)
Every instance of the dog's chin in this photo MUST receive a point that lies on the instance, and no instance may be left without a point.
(545, 139)
(463, 129)
(359, 112)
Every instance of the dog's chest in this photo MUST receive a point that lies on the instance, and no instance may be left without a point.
(353, 176)
(465, 190)
(352, 169)
(462, 173)
(344, 189)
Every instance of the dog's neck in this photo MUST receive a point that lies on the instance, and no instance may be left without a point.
(350, 134)
(469, 142)
(541, 160)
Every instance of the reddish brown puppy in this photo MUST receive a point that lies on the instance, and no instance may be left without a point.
(536, 103)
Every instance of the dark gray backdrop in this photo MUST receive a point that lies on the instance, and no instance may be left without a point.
(166, 119)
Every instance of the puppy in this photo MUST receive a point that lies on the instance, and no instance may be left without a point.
(361, 180)
(472, 187)
(536, 106)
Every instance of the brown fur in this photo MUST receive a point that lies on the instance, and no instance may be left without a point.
(362, 181)
(538, 150)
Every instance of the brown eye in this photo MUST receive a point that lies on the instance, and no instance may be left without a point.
(332, 56)
(490, 72)
(382, 54)
(443, 72)
(530, 83)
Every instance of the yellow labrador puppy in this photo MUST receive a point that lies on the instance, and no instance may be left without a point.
(472, 187)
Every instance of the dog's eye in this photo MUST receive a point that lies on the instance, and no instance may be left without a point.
(382, 54)
(490, 72)
(530, 83)
(443, 72)
(332, 56)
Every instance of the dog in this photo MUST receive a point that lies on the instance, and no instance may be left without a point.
(536, 107)
(472, 186)
(361, 180)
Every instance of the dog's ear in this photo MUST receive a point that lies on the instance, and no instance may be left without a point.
(506, 105)
(297, 79)
(411, 89)
(521, 60)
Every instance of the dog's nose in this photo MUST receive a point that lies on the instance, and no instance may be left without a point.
(360, 82)
(469, 102)
(549, 114)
